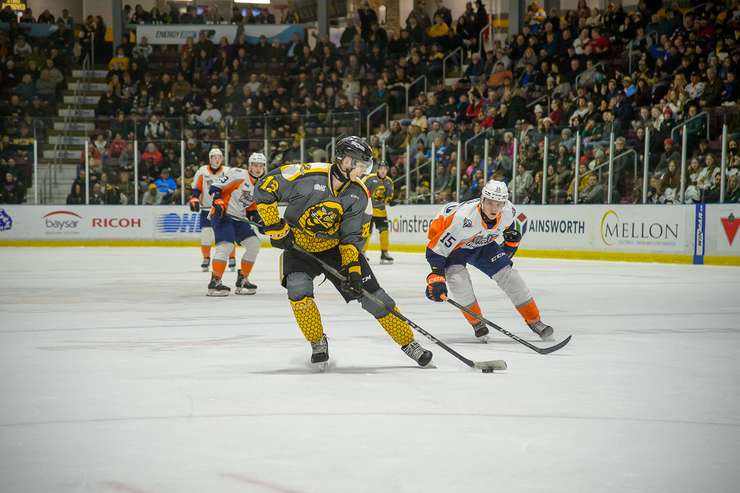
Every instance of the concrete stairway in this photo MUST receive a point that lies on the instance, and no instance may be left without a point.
(70, 127)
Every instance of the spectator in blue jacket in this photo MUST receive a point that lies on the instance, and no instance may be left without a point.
(165, 183)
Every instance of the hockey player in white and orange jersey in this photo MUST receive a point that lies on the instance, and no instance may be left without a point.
(466, 233)
(233, 197)
(201, 200)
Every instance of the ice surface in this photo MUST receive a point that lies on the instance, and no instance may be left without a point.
(118, 374)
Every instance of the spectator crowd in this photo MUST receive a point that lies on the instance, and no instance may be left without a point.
(608, 76)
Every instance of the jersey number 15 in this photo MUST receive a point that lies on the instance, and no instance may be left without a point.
(447, 240)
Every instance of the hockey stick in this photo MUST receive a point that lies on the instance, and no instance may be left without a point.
(481, 365)
(518, 339)
(485, 366)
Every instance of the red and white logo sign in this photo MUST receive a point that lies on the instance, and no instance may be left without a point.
(116, 222)
(730, 224)
(60, 222)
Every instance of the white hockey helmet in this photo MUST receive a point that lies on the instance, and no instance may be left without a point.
(257, 158)
(216, 155)
(496, 191)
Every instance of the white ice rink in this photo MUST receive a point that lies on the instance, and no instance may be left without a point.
(118, 374)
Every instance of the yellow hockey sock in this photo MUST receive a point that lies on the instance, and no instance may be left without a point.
(384, 242)
(397, 329)
(308, 318)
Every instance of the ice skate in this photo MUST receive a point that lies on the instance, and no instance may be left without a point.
(205, 264)
(541, 329)
(417, 353)
(481, 332)
(232, 264)
(385, 258)
(216, 288)
(320, 353)
(243, 286)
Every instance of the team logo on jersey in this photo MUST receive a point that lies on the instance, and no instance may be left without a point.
(729, 223)
(379, 193)
(520, 223)
(323, 218)
(467, 223)
(319, 187)
(6, 222)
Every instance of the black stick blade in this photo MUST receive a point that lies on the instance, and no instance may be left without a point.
(496, 364)
(554, 348)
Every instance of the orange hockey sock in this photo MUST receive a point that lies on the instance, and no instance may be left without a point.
(232, 255)
(475, 308)
(246, 267)
(218, 268)
(529, 312)
(206, 250)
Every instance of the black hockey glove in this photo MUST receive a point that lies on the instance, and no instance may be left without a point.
(194, 204)
(512, 238)
(280, 235)
(255, 217)
(352, 282)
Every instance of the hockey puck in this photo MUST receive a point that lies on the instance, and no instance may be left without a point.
(487, 370)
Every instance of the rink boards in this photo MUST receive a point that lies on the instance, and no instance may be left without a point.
(653, 233)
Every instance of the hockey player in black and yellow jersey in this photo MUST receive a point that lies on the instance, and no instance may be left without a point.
(328, 214)
(380, 186)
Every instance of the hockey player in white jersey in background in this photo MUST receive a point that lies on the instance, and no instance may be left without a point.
(465, 234)
(201, 200)
(233, 197)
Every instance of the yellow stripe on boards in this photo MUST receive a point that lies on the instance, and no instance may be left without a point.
(105, 243)
(665, 258)
(722, 260)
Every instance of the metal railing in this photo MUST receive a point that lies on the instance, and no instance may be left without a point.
(544, 97)
(631, 53)
(474, 137)
(489, 29)
(369, 116)
(51, 179)
(609, 165)
(422, 78)
(590, 69)
(447, 57)
(703, 114)
(695, 7)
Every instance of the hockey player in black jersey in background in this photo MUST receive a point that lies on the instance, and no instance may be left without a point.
(328, 214)
(380, 187)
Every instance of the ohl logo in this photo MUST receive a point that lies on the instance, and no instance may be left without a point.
(173, 222)
(520, 223)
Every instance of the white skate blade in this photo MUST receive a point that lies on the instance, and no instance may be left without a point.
(245, 291)
(483, 339)
(216, 293)
(204, 269)
(319, 367)
(386, 262)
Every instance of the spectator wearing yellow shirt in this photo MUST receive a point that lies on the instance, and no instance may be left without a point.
(118, 63)
(439, 29)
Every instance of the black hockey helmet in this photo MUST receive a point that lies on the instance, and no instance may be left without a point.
(356, 148)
